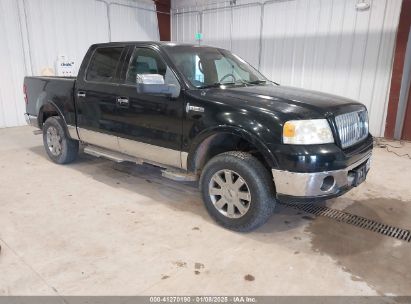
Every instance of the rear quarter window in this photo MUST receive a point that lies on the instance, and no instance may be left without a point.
(103, 64)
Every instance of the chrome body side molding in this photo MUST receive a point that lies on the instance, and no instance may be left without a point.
(99, 139)
(184, 159)
(148, 153)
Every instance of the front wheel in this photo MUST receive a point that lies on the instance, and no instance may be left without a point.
(238, 191)
(59, 147)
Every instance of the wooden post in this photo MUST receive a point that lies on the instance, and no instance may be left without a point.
(163, 8)
(397, 72)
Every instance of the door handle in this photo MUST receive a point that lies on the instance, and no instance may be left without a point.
(122, 101)
(81, 94)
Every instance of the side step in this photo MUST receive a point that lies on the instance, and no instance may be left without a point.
(170, 173)
(111, 155)
(179, 176)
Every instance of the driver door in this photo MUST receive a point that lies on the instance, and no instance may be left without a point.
(151, 123)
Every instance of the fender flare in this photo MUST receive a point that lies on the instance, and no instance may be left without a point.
(250, 137)
(50, 105)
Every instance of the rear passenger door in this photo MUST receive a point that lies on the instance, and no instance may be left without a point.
(96, 95)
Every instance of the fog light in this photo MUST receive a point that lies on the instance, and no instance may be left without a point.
(328, 183)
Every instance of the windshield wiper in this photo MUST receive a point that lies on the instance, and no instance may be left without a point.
(214, 85)
(256, 82)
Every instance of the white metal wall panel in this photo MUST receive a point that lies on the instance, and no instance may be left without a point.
(181, 4)
(63, 28)
(70, 27)
(11, 71)
(246, 32)
(130, 23)
(33, 33)
(184, 25)
(324, 45)
(216, 28)
(236, 30)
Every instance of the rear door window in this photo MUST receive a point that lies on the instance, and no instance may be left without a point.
(104, 64)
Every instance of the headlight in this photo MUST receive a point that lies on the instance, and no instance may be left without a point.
(307, 132)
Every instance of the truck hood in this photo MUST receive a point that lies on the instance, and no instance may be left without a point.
(297, 102)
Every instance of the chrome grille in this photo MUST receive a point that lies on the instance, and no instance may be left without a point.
(352, 127)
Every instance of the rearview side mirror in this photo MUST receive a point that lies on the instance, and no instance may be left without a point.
(154, 84)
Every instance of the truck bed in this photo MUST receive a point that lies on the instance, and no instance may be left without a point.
(46, 91)
(52, 77)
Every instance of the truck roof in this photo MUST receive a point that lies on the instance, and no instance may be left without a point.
(156, 43)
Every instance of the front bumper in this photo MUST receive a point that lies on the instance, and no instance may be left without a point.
(314, 186)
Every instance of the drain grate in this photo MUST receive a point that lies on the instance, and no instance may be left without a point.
(352, 219)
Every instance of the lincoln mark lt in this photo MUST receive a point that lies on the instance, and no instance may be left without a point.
(203, 113)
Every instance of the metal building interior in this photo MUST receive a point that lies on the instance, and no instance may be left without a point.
(97, 227)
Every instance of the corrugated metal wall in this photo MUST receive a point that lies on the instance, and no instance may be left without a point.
(13, 70)
(324, 45)
(34, 32)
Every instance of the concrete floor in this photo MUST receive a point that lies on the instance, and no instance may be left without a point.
(99, 228)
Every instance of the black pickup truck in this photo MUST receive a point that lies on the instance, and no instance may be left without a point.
(203, 113)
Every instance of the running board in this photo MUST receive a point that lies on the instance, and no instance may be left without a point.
(170, 173)
(179, 176)
(111, 155)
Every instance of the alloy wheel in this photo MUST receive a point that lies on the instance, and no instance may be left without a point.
(230, 193)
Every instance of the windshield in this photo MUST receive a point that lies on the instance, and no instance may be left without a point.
(208, 67)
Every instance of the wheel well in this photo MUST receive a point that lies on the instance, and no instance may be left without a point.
(220, 143)
(45, 113)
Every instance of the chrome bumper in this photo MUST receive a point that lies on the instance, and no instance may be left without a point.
(316, 184)
(31, 120)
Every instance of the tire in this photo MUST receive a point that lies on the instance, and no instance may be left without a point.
(257, 192)
(59, 147)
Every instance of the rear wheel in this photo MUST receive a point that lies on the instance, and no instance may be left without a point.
(238, 191)
(59, 147)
